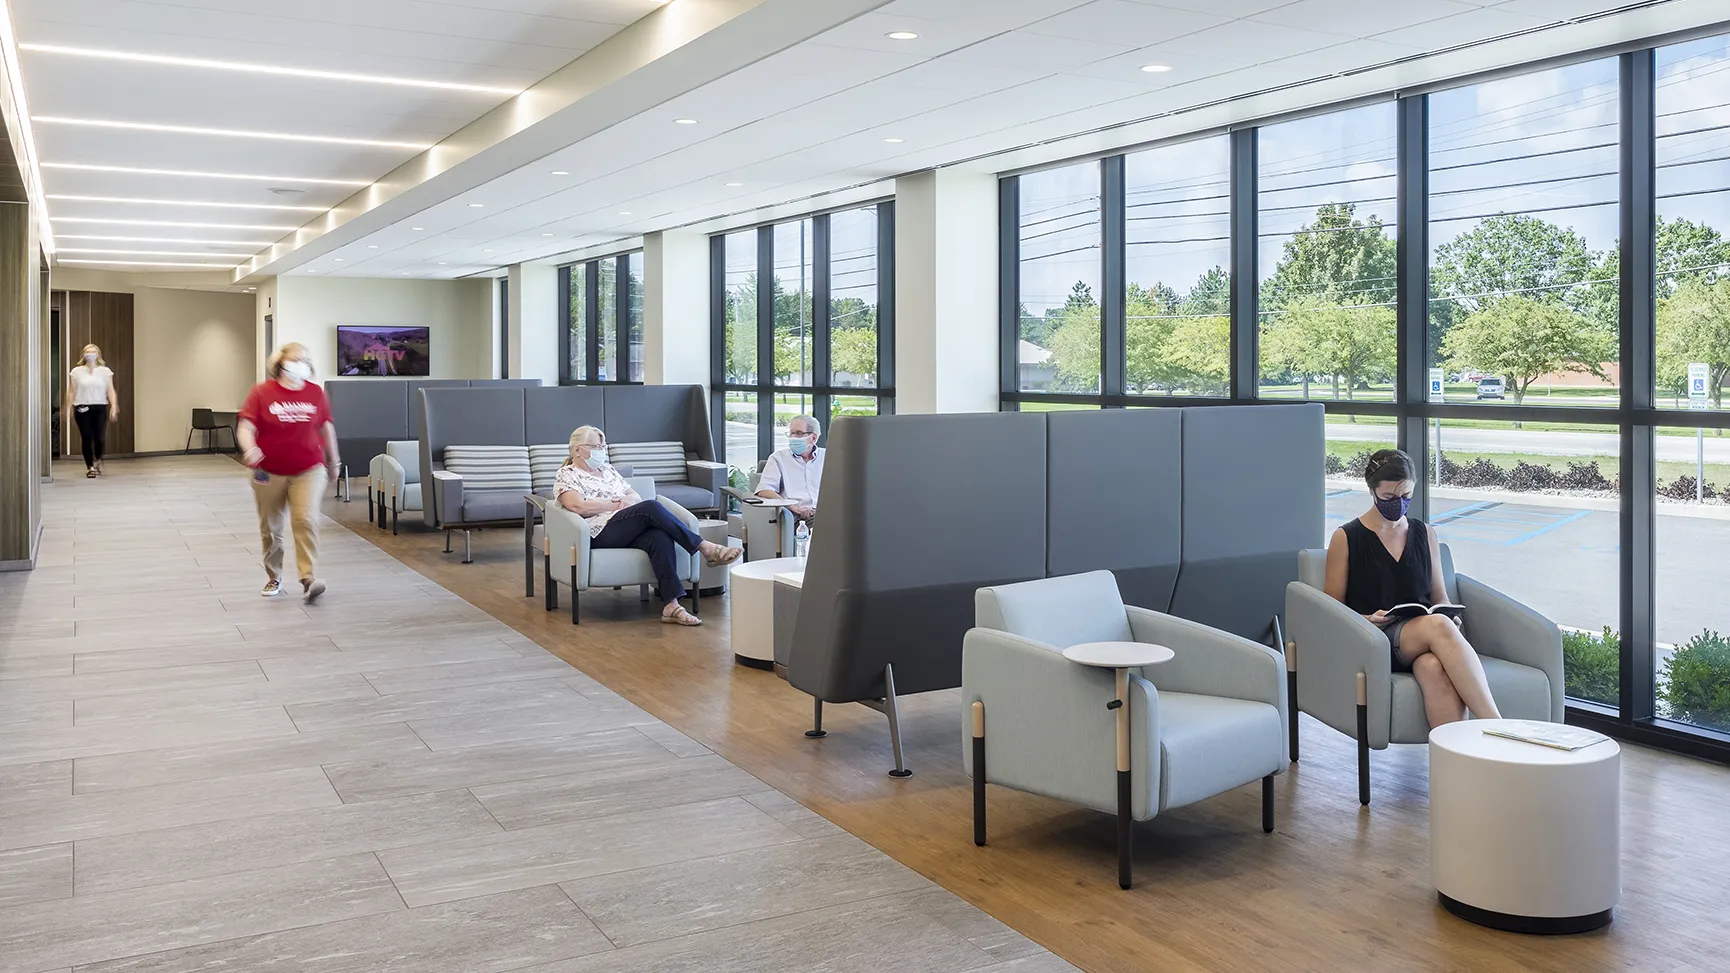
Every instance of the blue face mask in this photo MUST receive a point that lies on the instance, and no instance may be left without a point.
(1393, 508)
(797, 445)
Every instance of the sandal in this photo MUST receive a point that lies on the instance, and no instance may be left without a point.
(90, 474)
(679, 616)
(727, 555)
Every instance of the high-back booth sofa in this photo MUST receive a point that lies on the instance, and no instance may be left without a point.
(1198, 512)
(369, 412)
(483, 450)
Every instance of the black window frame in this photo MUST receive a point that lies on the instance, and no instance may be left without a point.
(590, 272)
(822, 389)
(1636, 415)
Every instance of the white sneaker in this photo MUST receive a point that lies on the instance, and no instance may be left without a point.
(272, 588)
(312, 589)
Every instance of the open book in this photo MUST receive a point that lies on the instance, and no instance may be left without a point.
(1553, 735)
(1412, 610)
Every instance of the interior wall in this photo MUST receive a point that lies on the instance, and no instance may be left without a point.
(458, 314)
(191, 349)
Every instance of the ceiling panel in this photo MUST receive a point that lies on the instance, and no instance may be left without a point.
(1362, 18)
(1136, 24)
(1248, 41)
(1055, 53)
(1462, 28)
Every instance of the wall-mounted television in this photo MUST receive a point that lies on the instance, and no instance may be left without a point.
(384, 351)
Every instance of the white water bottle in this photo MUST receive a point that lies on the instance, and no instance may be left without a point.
(801, 539)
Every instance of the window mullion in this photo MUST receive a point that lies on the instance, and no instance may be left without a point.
(1637, 318)
(1245, 296)
(1412, 289)
(1112, 348)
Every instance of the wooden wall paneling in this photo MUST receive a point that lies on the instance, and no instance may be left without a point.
(19, 486)
(104, 320)
(46, 372)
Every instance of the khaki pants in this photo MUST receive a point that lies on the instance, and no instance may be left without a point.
(291, 498)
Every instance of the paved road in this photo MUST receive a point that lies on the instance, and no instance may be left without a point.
(1563, 561)
(1670, 449)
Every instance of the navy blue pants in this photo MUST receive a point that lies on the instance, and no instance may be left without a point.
(652, 529)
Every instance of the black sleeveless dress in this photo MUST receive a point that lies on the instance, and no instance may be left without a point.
(1375, 580)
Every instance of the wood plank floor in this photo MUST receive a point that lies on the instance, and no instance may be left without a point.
(194, 778)
(1336, 887)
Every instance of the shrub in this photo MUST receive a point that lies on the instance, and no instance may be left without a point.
(1450, 470)
(1332, 465)
(1585, 476)
(1531, 476)
(1480, 473)
(1591, 665)
(1682, 488)
(1355, 464)
(1697, 681)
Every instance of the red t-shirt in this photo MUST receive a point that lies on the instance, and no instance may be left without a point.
(290, 425)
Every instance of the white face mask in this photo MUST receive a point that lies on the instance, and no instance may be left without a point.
(296, 372)
(90, 359)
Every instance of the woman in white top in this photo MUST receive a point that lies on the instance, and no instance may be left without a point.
(590, 487)
(91, 396)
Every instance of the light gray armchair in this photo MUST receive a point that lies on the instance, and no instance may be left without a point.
(1209, 720)
(393, 478)
(1344, 670)
(567, 543)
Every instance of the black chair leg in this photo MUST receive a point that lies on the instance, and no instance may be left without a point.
(395, 518)
(1267, 804)
(552, 586)
(979, 773)
(188, 447)
(1363, 742)
(574, 619)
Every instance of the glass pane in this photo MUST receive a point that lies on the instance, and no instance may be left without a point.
(794, 342)
(634, 312)
(740, 298)
(1523, 230)
(788, 405)
(853, 299)
(1177, 300)
(742, 430)
(608, 322)
(1060, 269)
(1326, 256)
(1532, 511)
(1349, 441)
(577, 322)
(1693, 650)
(1693, 217)
(849, 405)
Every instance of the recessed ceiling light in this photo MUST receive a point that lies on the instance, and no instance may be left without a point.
(156, 239)
(181, 202)
(200, 226)
(134, 170)
(560, 172)
(417, 227)
(902, 35)
(149, 253)
(151, 263)
(734, 185)
(193, 62)
(443, 264)
(684, 121)
(339, 259)
(486, 251)
(476, 205)
(405, 273)
(226, 132)
(546, 234)
(893, 141)
(372, 246)
(1156, 68)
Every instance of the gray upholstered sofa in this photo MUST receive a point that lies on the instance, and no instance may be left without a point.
(1343, 665)
(1198, 512)
(497, 426)
(370, 412)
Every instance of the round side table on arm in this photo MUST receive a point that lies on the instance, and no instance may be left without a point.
(1121, 657)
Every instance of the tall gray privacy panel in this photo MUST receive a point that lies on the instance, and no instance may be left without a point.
(660, 413)
(1252, 498)
(550, 414)
(1114, 499)
(367, 414)
(465, 417)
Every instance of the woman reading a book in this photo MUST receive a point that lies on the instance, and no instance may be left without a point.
(1385, 559)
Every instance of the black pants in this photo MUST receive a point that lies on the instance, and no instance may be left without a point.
(652, 529)
(92, 428)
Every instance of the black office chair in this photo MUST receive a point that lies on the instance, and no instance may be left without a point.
(204, 421)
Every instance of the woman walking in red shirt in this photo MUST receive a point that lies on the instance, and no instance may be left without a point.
(287, 438)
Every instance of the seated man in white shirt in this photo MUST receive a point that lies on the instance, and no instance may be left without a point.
(796, 471)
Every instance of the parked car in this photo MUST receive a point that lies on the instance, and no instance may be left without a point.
(1491, 388)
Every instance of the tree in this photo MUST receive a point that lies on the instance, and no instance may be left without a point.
(853, 351)
(1200, 348)
(1210, 295)
(1074, 347)
(1686, 248)
(1348, 344)
(1149, 316)
(1694, 326)
(1336, 259)
(1508, 254)
(1522, 337)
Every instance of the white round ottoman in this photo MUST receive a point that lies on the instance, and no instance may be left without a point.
(751, 613)
(1524, 837)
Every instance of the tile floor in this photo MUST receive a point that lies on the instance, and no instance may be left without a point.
(194, 778)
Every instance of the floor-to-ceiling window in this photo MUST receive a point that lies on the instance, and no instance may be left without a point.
(803, 323)
(1550, 248)
(603, 334)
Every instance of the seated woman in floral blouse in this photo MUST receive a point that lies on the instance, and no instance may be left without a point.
(591, 488)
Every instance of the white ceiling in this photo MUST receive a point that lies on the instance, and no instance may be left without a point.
(983, 77)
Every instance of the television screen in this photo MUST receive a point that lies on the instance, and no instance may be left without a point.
(368, 350)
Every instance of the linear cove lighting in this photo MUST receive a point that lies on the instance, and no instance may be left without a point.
(238, 133)
(205, 175)
(157, 239)
(183, 202)
(150, 253)
(195, 226)
(195, 62)
(150, 263)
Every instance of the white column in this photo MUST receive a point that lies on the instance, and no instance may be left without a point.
(946, 327)
(535, 322)
(676, 308)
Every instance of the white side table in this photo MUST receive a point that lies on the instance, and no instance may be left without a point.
(714, 576)
(751, 615)
(1121, 657)
(1524, 837)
